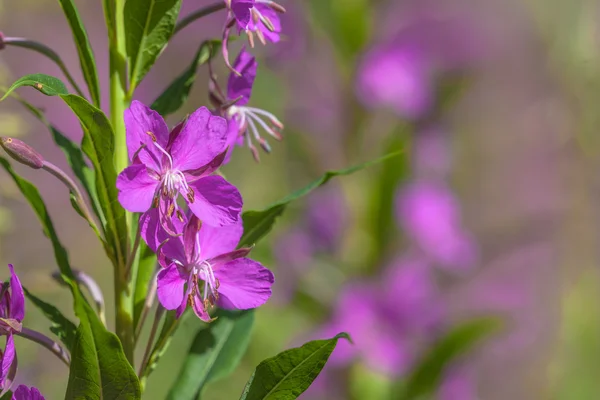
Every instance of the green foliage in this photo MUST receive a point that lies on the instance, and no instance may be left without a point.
(178, 91)
(258, 224)
(98, 145)
(427, 375)
(287, 375)
(149, 25)
(61, 326)
(99, 369)
(214, 354)
(145, 272)
(84, 49)
(109, 371)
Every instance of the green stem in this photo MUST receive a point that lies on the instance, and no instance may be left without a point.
(201, 12)
(113, 10)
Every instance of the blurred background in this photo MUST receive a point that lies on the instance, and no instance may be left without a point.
(490, 210)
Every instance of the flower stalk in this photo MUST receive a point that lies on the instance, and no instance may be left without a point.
(46, 342)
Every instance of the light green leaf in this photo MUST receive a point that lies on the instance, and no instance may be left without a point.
(61, 326)
(178, 91)
(84, 49)
(99, 369)
(258, 223)
(149, 25)
(214, 354)
(48, 85)
(427, 375)
(287, 375)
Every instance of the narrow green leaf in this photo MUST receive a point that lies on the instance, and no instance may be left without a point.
(258, 223)
(425, 378)
(98, 145)
(61, 326)
(48, 85)
(214, 354)
(287, 375)
(84, 49)
(149, 25)
(7, 396)
(99, 369)
(178, 91)
(170, 325)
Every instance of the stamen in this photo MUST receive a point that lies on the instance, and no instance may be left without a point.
(170, 210)
(250, 36)
(179, 216)
(152, 136)
(191, 195)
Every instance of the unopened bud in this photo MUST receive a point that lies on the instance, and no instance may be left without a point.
(22, 152)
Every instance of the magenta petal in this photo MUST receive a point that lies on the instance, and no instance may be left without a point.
(244, 284)
(203, 138)
(25, 393)
(17, 298)
(238, 85)
(139, 120)
(136, 188)
(198, 307)
(170, 287)
(155, 235)
(217, 202)
(7, 359)
(216, 241)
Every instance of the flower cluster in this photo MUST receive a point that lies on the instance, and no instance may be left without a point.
(196, 245)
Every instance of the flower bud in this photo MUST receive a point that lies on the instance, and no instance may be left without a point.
(22, 152)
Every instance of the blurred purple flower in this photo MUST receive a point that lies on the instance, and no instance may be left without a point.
(458, 384)
(432, 156)
(388, 319)
(430, 214)
(25, 393)
(293, 252)
(400, 72)
(396, 78)
(327, 215)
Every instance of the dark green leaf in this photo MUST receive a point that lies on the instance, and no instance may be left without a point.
(7, 395)
(61, 326)
(84, 49)
(214, 354)
(287, 375)
(178, 91)
(426, 377)
(169, 327)
(46, 84)
(98, 145)
(258, 223)
(149, 25)
(99, 369)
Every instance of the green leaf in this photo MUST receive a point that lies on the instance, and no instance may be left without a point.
(98, 145)
(214, 354)
(178, 91)
(149, 25)
(427, 375)
(258, 223)
(7, 395)
(61, 326)
(99, 369)
(48, 85)
(169, 328)
(287, 375)
(84, 49)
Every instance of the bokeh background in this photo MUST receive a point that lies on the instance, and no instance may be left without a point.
(492, 208)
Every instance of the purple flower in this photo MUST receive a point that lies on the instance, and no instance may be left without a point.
(12, 305)
(255, 17)
(201, 267)
(8, 363)
(458, 384)
(245, 121)
(327, 216)
(166, 165)
(25, 393)
(386, 319)
(430, 214)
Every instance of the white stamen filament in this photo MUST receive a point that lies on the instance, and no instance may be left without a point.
(249, 117)
(172, 179)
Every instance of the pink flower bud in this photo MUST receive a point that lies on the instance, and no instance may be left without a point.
(22, 152)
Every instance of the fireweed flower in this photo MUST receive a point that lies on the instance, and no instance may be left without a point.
(245, 122)
(201, 267)
(25, 393)
(168, 164)
(430, 214)
(12, 312)
(387, 319)
(255, 17)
